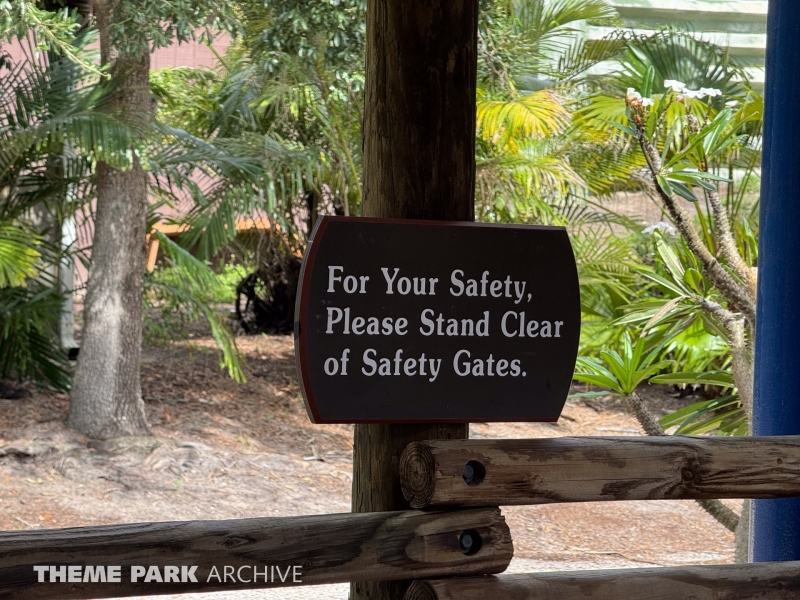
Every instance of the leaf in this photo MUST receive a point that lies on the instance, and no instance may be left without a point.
(683, 414)
(715, 129)
(701, 426)
(539, 114)
(699, 408)
(701, 175)
(693, 279)
(647, 84)
(664, 185)
(621, 127)
(670, 258)
(663, 312)
(713, 326)
(683, 190)
(18, 255)
(719, 378)
(675, 287)
(590, 395)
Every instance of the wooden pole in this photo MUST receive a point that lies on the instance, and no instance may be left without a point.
(326, 549)
(419, 163)
(542, 471)
(765, 581)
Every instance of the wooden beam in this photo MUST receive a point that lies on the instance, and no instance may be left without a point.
(419, 112)
(765, 581)
(419, 163)
(591, 469)
(328, 549)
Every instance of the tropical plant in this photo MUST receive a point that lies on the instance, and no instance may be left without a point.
(694, 136)
(48, 107)
(620, 374)
(688, 141)
(58, 122)
(186, 292)
(51, 27)
(526, 135)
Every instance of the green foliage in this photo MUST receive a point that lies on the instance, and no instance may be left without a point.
(702, 140)
(29, 347)
(528, 138)
(329, 35)
(680, 55)
(56, 125)
(138, 26)
(288, 102)
(50, 30)
(19, 256)
(222, 290)
(724, 415)
(185, 292)
(620, 373)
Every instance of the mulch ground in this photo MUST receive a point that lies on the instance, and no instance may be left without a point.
(226, 450)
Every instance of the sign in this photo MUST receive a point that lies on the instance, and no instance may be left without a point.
(402, 321)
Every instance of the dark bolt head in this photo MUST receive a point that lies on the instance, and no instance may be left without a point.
(470, 542)
(474, 473)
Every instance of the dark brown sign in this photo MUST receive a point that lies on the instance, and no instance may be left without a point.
(425, 321)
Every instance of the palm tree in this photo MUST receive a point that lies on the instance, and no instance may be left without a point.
(48, 108)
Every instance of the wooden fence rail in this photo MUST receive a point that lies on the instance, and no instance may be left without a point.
(539, 471)
(765, 581)
(328, 549)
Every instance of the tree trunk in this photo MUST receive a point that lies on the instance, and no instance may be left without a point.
(106, 399)
(419, 163)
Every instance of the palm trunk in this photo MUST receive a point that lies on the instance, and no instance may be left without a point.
(106, 399)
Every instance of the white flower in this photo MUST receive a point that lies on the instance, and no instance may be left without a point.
(701, 93)
(710, 92)
(677, 86)
(732, 103)
(635, 100)
(661, 226)
(687, 93)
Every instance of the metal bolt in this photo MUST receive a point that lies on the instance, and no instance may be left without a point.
(470, 542)
(474, 473)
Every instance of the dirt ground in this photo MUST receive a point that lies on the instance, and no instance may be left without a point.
(226, 450)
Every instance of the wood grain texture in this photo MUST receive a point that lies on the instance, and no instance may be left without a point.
(419, 163)
(542, 471)
(765, 581)
(376, 484)
(330, 549)
(419, 113)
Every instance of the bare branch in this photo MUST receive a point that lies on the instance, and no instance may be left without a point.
(741, 359)
(728, 245)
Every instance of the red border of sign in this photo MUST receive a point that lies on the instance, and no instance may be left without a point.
(302, 299)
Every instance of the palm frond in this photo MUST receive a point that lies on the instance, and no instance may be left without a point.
(18, 255)
(189, 289)
(29, 348)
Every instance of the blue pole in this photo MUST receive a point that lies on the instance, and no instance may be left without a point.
(776, 410)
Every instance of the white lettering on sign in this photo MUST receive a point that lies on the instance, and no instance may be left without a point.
(339, 320)
(351, 284)
(482, 287)
(419, 286)
(396, 366)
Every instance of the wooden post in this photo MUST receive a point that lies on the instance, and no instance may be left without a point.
(592, 469)
(765, 581)
(419, 163)
(325, 548)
